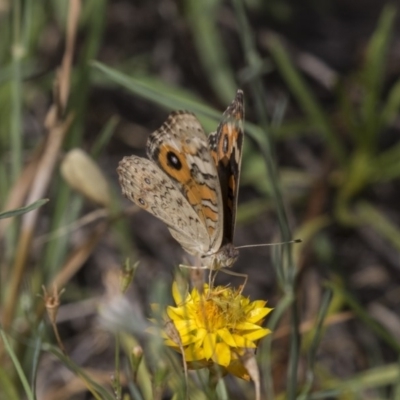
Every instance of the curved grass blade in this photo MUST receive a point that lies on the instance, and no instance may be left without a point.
(373, 73)
(162, 94)
(36, 355)
(97, 391)
(23, 210)
(326, 300)
(17, 366)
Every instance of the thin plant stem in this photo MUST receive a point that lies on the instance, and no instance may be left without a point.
(15, 132)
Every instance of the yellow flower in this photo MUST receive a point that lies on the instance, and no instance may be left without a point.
(216, 327)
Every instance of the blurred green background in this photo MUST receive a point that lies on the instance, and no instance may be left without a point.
(83, 84)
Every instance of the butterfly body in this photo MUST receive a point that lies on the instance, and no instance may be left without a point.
(191, 182)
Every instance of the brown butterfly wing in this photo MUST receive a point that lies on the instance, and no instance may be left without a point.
(151, 189)
(180, 149)
(226, 149)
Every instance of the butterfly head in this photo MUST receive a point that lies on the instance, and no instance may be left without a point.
(224, 258)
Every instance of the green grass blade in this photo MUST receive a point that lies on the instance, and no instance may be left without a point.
(134, 391)
(265, 350)
(363, 315)
(202, 16)
(36, 355)
(285, 266)
(8, 389)
(104, 137)
(392, 105)
(68, 205)
(294, 355)
(171, 98)
(370, 215)
(95, 389)
(370, 379)
(318, 332)
(264, 137)
(396, 388)
(17, 365)
(17, 52)
(387, 164)
(27, 23)
(23, 210)
(373, 76)
(162, 94)
(305, 98)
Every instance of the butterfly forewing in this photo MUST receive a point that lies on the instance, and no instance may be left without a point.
(180, 149)
(226, 149)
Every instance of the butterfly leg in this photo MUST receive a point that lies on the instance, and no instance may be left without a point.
(192, 266)
(229, 272)
(211, 277)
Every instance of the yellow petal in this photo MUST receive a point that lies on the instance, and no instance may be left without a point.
(198, 339)
(185, 326)
(244, 326)
(245, 302)
(187, 339)
(175, 313)
(193, 354)
(222, 354)
(170, 343)
(226, 336)
(259, 304)
(243, 342)
(209, 345)
(257, 314)
(195, 295)
(178, 293)
(257, 334)
(186, 313)
(200, 334)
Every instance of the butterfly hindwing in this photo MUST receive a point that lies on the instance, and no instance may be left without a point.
(147, 186)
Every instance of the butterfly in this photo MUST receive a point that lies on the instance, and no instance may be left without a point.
(191, 182)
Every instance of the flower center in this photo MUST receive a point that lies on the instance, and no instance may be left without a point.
(209, 316)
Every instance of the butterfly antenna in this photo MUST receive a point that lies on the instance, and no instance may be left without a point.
(270, 244)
